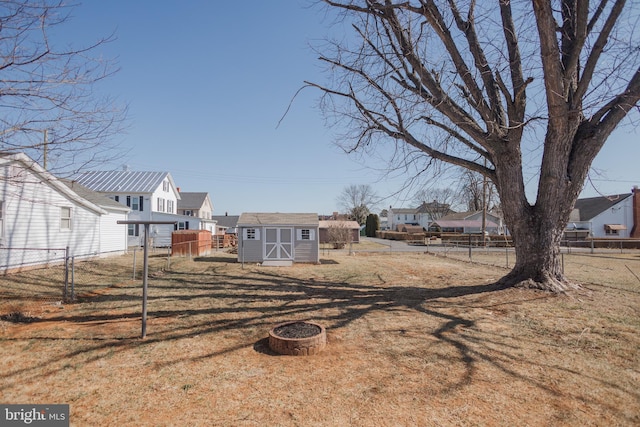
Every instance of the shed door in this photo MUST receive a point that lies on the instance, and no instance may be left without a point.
(278, 243)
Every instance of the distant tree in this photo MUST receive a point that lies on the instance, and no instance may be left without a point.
(436, 202)
(339, 234)
(372, 225)
(50, 108)
(480, 85)
(357, 201)
(475, 191)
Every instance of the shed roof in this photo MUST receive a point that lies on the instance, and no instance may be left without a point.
(591, 207)
(122, 181)
(276, 218)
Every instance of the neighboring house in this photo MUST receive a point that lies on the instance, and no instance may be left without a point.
(422, 216)
(197, 205)
(40, 211)
(611, 216)
(150, 195)
(226, 223)
(325, 230)
(469, 222)
(278, 238)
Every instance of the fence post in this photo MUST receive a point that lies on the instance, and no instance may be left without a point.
(66, 274)
(506, 251)
(73, 279)
(135, 251)
(469, 246)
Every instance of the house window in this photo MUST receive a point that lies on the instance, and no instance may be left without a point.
(135, 203)
(160, 205)
(182, 225)
(65, 218)
(188, 212)
(133, 230)
(165, 185)
(251, 234)
(170, 206)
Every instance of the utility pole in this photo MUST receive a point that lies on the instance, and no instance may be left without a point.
(44, 157)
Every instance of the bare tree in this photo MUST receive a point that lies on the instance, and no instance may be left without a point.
(50, 109)
(476, 192)
(436, 202)
(357, 201)
(480, 85)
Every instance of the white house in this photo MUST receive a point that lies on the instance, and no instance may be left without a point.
(422, 216)
(197, 205)
(469, 222)
(610, 216)
(39, 211)
(150, 195)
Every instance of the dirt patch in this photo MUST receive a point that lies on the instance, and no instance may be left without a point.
(412, 340)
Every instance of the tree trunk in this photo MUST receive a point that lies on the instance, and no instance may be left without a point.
(538, 259)
(537, 230)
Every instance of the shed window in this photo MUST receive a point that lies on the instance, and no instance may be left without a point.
(65, 218)
(251, 234)
(305, 234)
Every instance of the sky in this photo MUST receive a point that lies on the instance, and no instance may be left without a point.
(208, 83)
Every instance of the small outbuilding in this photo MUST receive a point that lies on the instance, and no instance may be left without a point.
(334, 229)
(278, 239)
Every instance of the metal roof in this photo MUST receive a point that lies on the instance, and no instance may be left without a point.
(255, 218)
(121, 181)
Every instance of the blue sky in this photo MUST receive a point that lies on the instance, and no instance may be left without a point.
(207, 83)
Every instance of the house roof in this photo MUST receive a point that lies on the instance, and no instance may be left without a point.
(228, 221)
(456, 216)
(124, 181)
(276, 218)
(591, 207)
(338, 223)
(52, 180)
(397, 211)
(94, 197)
(192, 200)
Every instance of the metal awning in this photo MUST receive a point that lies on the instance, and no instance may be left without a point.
(613, 227)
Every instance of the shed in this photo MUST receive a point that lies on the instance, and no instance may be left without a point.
(278, 239)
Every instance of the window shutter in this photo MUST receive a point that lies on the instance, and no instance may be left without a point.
(129, 201)
(186, 225)
(312, 234)
(117, 198)
(141, 201)
(298, 234)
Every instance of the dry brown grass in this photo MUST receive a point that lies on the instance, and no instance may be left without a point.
(413, 340)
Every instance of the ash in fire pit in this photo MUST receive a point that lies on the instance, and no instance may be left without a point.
(298, 338)
(297, 330)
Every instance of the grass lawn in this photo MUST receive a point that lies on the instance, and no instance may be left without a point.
(413, 340)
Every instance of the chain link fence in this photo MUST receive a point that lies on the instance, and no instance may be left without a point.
(34, 280)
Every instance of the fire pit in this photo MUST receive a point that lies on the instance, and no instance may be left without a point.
(298, 338)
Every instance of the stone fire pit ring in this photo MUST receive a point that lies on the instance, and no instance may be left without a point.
(298, 338)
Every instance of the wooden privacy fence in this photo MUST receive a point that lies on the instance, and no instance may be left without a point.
(190, 243)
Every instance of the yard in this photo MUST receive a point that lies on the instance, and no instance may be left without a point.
(413, 340)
